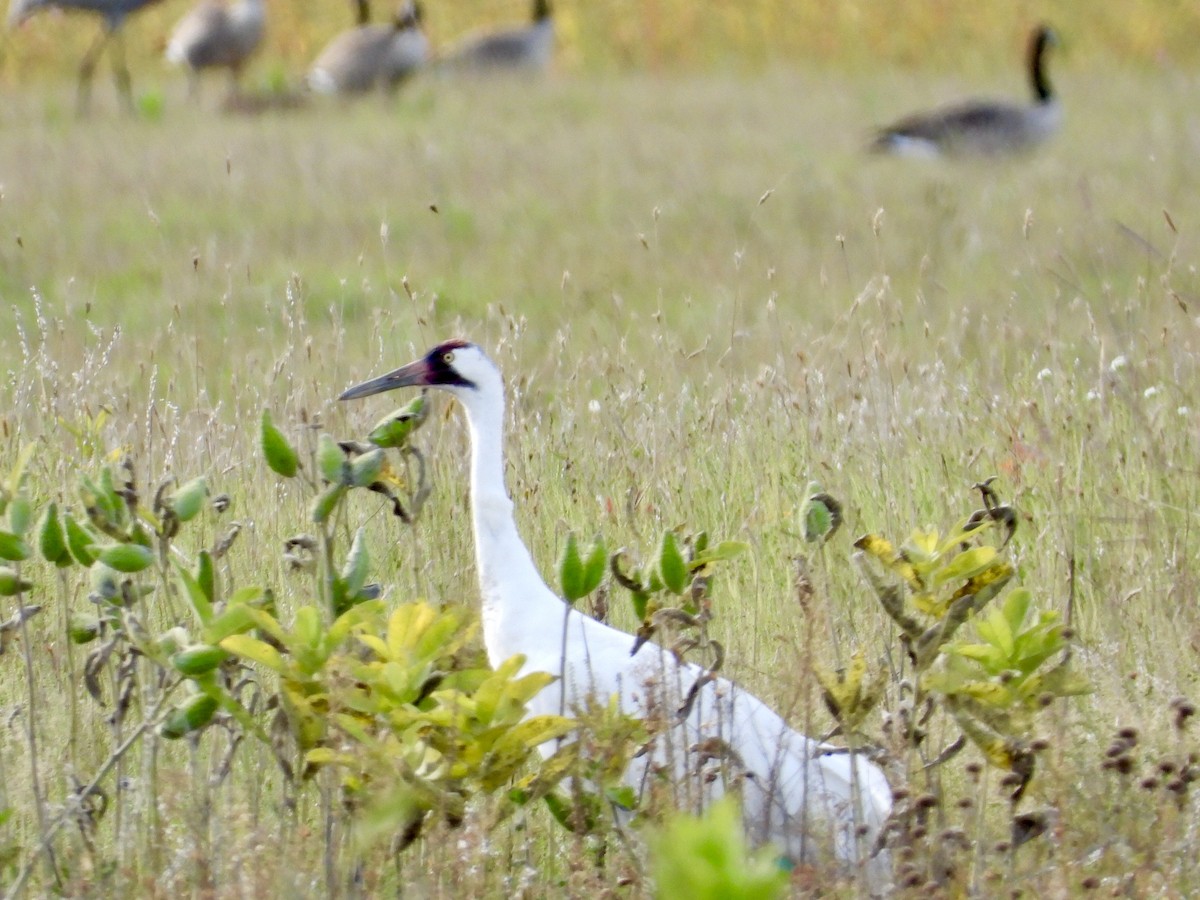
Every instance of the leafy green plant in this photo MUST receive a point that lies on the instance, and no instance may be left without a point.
(992, 683)
(706, 858)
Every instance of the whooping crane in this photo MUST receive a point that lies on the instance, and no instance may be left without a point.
(805, 796)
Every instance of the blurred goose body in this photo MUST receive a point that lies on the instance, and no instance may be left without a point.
(982, 128)
(217, 35)
(371, 56)
(811, 799)
(114, 13)
(522, 48)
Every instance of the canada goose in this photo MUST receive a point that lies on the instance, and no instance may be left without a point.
(525, 47)
(797, 792)
(368, 56)
(217, 35)
(114, 13)
(982, 128)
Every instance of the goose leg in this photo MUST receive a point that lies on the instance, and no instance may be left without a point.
(121, 71)
(87, 69)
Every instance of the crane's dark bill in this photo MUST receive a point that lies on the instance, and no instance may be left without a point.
(431, 371)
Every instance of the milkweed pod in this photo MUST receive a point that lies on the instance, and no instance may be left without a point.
(79, 540)
(188, 500)
(331, 460)
(279, 454)
(83, 628)
(20, 513)
(325, 503)
(395, 429)
(52, 538)
(198, 659)
(126, 557)
(365, 470)
(191, 716)
(11, 583)
(12, 547)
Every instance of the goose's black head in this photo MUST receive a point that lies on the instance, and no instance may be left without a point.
(452, 365)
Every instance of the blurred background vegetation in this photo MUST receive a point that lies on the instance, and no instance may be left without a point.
(696, 34)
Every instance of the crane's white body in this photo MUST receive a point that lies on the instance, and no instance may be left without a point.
(808, 798)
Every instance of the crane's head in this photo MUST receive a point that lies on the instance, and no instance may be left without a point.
(457, 366)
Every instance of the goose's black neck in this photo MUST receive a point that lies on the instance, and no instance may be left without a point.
(1042, 40)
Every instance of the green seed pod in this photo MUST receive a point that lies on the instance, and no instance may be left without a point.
(192, 716)
(324, 505)
(279, 454)
(173, 640)
(106, 582)
(332, 460)
(354, 572)
(11, 583)
(365, 470)
(20, 514)
(395, 429)
(198, 659)
(189, 499)
(126, 557)
(52, 539)
(13, 548)
(83, 628)
(79, 541)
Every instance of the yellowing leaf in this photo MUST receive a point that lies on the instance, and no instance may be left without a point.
(254, 650)
(965, 565)
(882, 549)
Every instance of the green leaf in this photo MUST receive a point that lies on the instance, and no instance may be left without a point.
(279, 454)
(13, 548)
(194, 592)
(724, 550)
(1016, 608)
(671, 566)
(254, 650)
(206, 575)
(707, 857)
(965, 565)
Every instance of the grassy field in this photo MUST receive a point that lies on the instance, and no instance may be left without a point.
(704, 296)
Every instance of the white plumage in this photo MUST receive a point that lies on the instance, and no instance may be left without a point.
(805, 796)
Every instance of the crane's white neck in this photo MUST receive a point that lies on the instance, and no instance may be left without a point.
(514, 593)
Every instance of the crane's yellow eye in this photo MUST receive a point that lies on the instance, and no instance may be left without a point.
(448, 356)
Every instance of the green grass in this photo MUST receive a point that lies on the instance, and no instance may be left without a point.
(700, 307)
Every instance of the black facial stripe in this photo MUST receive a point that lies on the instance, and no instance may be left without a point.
(443, 373)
